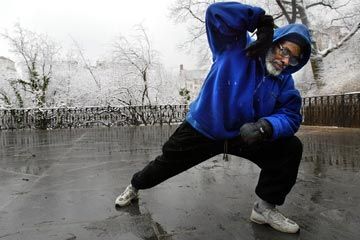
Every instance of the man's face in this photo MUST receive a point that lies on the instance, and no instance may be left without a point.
(282, 55)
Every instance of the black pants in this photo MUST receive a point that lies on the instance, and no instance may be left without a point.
(279, 161)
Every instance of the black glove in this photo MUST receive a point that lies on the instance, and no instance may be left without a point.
(256, 132)
(264, 33)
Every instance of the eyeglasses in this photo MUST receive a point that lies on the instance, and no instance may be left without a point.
(286, 53)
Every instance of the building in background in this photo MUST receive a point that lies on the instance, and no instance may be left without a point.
(192, 80)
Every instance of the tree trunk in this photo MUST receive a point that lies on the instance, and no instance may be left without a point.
(316, 60)
(317, 67)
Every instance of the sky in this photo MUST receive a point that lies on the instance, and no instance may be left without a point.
(95, 24)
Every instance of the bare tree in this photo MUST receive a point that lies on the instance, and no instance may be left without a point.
(138, 59)
(87, 64)
(37, 53)
(6, 98)
(192, 12)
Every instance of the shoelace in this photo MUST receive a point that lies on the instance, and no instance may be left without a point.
(127, 194)
(278, 217)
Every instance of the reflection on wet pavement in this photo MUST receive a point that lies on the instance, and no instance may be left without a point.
(61, 184)
(338, 148)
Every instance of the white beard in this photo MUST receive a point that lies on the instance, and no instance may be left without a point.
(268, 63)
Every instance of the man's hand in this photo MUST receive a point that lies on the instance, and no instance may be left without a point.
(264, 33)
(256, 132)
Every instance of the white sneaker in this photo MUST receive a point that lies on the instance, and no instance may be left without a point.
(127, 196)
(275, 219)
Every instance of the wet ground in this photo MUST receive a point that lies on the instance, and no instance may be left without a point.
(61, 184)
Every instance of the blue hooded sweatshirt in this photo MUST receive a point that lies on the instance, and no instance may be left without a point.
(237, 89)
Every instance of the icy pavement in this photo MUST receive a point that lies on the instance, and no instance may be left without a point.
(61, 184)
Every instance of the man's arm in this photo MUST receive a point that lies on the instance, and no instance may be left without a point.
(284, 122)
(227, 22)
(286, 117)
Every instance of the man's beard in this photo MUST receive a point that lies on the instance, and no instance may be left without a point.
(269, 63)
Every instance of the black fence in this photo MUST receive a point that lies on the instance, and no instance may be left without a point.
(335, 110)
(51, 118)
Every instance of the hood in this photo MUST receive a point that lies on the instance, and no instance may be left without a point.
(295, 30)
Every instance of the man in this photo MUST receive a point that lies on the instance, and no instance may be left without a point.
(248, 106)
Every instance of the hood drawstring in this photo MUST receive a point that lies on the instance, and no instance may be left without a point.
(225, 155)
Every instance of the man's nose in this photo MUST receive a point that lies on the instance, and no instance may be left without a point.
(286, 61)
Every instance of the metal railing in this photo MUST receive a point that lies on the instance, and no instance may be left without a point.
(336, 110)
(51, 118)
